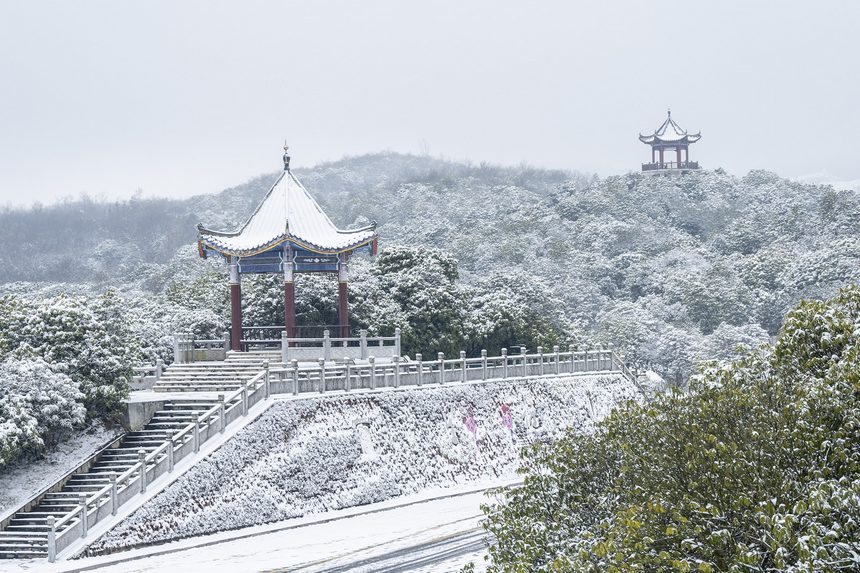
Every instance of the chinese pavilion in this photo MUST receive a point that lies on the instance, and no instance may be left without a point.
(287, 233)
(670, 136)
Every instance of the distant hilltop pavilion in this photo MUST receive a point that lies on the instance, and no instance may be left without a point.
(670, 136)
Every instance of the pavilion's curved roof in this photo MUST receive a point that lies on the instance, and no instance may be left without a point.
(286, 213)
(670, 132)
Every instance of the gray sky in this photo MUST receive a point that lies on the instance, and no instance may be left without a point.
(183, 97)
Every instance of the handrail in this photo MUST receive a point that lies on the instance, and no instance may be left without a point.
(452, 369)
(248, 389)
(67, 476)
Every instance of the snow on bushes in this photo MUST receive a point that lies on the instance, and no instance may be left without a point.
(87, 339)
(320, 454)
(38, 407)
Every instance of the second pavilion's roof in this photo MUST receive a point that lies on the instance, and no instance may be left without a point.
(287, 213)
(670, 132)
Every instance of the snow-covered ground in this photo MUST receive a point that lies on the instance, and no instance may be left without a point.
(20, 482)
(316, 455)
(432, 532)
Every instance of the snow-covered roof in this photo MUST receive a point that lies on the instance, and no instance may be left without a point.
(287, 213)
(670, 132)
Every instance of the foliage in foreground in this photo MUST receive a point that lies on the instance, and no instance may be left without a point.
(756, 469)
(63, 360)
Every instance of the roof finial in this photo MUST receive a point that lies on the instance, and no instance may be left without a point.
(669, 112)
(286, 156)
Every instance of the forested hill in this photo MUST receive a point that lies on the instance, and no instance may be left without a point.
(87, 240)
(665, 266)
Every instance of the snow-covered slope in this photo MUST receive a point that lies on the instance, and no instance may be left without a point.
(314, 455)
(21, 481)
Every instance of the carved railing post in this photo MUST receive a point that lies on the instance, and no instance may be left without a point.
(326, 345)
(295, 364)
(372, 361)
(572, 349)
(285, 347)
(267, 390)
(555, 351)
(178, 356)
(396, 370)
(52, 539)
(113, 492)
(141, 460)
(397, 342)
(170, 450)
(540, 359)
(483, 364)
(420, 360)
(362, 343)
(159, 368)
(321, 363)
(441, 358)
(525, 361)
(347, 373)
(196, 432)
(504, 363)
(222, 410)
(462, 365)
(85, 522)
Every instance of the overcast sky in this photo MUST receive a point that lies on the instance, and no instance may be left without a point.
(180, 97)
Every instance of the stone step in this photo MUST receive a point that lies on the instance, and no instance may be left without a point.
(117, 468)
(26, 528)
(202, 382)
(117, 456)
(21, 535)
(22, 542)
(87, 479)
(210, 374)
(60, 496)
(57, 509)
(29, 519)
(82, 487)
(169, 389)
(237, 370)
(40, 545)
(22, 553)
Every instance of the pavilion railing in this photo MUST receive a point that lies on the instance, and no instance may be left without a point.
(269, 337)
(670, 165)
(328, 348)
(187, 349)
(144, 377)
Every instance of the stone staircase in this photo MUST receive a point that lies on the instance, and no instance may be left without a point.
(225, 376)
(25, 535)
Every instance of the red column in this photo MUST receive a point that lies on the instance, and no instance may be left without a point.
(236, 317)
(653, 159)
(678, 153)
(342, 296)
(290, 308)
(343, 309)
(661, 155)
(235, 305)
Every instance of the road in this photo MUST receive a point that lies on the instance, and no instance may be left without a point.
(423, 535)
(447, 553)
